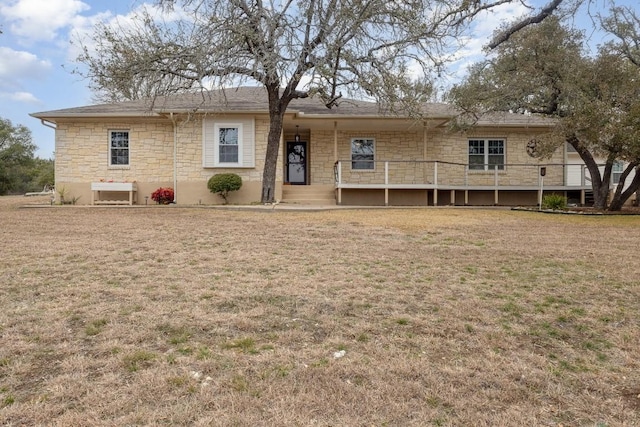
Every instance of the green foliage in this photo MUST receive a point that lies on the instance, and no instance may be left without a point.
(554, 201)
(42, 173)
(594, 101)
(137, 360)
(19, 170)
(224, 183)
(9, 400)
(246, 345)
(95, 327)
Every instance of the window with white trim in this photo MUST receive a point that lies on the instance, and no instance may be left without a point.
(119, 148)
(362, 153)
(228, 144)
(486, 154)
(616, 172)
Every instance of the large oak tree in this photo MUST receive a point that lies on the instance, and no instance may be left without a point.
(384, 49)
(595, 100)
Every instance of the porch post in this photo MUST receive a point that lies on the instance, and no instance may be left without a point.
(424, 141)
(435, 183)
(335, 141)
(466, 185)
(339, 182)
(583, 179)
(424, 157)
(495, 183)
(336, 161)
(386, 183)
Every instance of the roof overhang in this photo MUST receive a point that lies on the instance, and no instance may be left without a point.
(84, 116)
(369, 122)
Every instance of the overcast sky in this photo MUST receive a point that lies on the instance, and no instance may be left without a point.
(37, 56)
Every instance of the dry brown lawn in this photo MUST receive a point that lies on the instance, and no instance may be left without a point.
(418, 317)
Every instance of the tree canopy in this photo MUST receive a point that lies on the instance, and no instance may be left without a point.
(386, 50)
(624, 24)
(545, 70)
(19, 170)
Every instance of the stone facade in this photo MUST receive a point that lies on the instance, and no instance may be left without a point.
(82, 150)
(411, 157)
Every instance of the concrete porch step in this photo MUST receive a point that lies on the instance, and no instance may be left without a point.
(309, 194)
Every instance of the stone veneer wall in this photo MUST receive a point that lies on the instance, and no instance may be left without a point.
(193, 177)
(442, 146)
(388, 146)
(453, 147)
(82, 150)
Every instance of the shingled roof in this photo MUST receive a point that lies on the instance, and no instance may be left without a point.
(254, 100)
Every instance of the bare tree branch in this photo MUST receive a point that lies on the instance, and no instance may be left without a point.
(506, 34)
(624, 23)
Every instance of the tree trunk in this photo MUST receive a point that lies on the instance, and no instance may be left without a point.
(599, 183)
(277, 108)
(271, 159)
(600, 195)
(620, 196)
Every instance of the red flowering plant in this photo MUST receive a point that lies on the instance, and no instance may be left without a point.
(163, 196)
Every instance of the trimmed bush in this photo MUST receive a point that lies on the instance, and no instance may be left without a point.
(224, 183)
(163, 195)
(554, 201)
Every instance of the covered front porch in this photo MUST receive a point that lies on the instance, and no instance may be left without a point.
(434, 183)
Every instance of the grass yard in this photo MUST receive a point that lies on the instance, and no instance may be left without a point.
(418, 317)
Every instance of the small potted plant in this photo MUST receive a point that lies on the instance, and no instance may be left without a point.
(163, 195)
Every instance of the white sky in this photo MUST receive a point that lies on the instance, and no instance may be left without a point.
(36, 54)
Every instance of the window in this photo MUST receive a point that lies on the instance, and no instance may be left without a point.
(616, 172)
(228, 144)
(362, 153)
(486, 154)
(119, 148)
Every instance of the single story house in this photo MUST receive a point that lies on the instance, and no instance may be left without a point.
(349, 155)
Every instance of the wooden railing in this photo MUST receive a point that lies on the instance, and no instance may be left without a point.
(437, 174)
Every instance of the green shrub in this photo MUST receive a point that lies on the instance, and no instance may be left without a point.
(223, 183)
(554, 201)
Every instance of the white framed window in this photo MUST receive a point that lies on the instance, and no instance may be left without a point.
(118, 148)
(486, 154)
(228, 143)
(363, 153)
(616, 172)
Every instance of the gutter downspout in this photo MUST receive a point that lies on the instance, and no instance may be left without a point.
(46, 123)
(53, 126)
(175, 157)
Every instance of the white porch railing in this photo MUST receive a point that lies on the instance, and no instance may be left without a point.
(438, 175)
